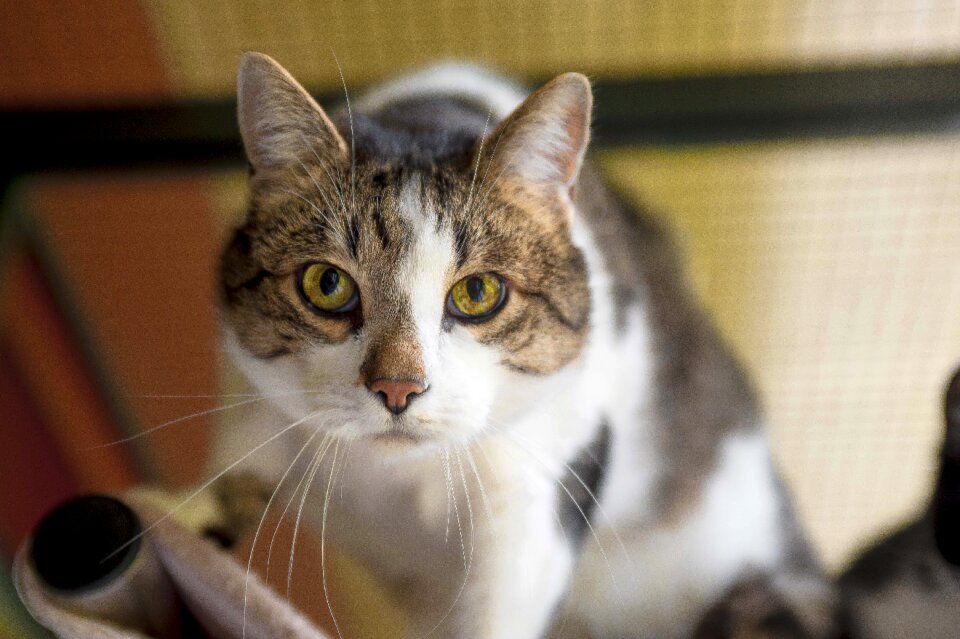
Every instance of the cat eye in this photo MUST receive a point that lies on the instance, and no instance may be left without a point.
(476, 297)
(328, 288)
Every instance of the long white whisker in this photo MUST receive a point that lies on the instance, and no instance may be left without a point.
(343, 465)
(476, 166)
(445, 463)
(205, 396)
(185, 418)
(456, 511)
(466, 565)
(320, 212)
(315, 466)
(256, 536)
(293, 495)
(320, 191)
(466, 494)
(511, 437)
(178, 420)
(211, 481)
(483, 494)
(486, 170)
(323, 540)
(353, 150)
(596, 502)
(556, 514)
(335, 181)
(324, 166)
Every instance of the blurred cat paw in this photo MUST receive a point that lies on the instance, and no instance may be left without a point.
(194, 514)
(223, 512)
(241, 501)
(756, 608)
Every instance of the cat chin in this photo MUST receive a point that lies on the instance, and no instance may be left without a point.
(404, 445)
(406, 435)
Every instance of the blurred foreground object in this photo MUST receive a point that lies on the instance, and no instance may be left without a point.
(92, 570)
(908, 584)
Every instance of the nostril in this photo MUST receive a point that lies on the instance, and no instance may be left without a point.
(396, 393)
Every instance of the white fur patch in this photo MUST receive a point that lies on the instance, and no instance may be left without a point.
(457, 80)
(672, 575)
(425, 273)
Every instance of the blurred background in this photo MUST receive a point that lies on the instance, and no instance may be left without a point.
(806, 153)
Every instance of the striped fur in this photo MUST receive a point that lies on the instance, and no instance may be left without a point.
(599, 360)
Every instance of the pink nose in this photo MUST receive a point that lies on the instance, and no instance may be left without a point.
(396, 392)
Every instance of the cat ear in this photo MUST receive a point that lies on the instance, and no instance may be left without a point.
(280, 121)
(544, 140)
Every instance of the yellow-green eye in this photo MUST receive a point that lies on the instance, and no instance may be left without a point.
(328, 288)
(476, 297)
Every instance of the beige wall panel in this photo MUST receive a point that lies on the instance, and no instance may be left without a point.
(834, 268)
(606, 38)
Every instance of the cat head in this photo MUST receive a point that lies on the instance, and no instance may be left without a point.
(402, 273)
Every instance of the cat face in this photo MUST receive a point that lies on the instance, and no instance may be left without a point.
(423, 284)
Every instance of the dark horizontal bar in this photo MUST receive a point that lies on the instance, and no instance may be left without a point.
(660, 111)
(824, 103)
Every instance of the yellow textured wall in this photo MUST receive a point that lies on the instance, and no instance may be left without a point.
(203, 40)
(834, 268)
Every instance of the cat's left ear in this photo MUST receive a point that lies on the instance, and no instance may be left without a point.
(542, 143)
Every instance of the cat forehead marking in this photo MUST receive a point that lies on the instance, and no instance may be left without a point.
(426, 268)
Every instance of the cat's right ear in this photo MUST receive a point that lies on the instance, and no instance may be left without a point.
(280, 122)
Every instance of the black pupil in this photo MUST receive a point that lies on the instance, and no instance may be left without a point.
(329, 281)
(475, 289)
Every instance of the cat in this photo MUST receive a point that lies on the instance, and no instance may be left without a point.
(533, 428)
(908, 584)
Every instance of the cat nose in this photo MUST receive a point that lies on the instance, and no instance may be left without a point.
(396, 393)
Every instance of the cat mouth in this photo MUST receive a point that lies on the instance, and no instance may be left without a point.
(398, 433)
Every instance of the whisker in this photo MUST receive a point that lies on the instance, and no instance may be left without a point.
(256, 536)
(476, 166)
(293, 495)
(483, 494)
(486, 170)
(325, 167)
(315, 466)
(320, 191)
(466, 565)
(210, 482)
(337, 230)
(596, 502)
(511, 437)
(323, 539)
(466, 494)
(318, 210)
(522, 466)
(456, 511)
(353, 150)
(335, 181)
(207, 396)
(445, 463)
(343, 465)
(178, 420)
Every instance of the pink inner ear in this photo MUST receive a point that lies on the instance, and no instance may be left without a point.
(544, 140)
(575, 126)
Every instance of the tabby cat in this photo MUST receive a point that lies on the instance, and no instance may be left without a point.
(530, 427)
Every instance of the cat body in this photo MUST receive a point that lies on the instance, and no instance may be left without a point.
(585, 455)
